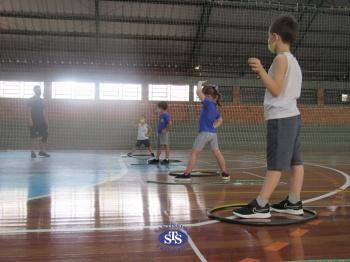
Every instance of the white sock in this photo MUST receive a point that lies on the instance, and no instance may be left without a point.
(293, 198)
(261, 201)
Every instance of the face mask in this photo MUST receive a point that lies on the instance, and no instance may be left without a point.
(272, 47)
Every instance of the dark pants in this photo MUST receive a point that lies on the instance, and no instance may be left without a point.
(284, 143)
(39, 130)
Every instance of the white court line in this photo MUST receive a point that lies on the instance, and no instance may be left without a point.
(195, 248)
(203, 223)
(205, 162)
(253, 174)
(336, 191)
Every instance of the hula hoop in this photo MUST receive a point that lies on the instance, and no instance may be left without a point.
(214, 183)
(196, 173)
(258, 222)
(141, 154)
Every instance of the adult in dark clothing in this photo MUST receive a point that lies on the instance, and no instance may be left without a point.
(37, 122)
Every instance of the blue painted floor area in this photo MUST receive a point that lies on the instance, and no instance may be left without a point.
(68, 170)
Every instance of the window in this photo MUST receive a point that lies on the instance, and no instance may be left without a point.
(252, 95)
(336, 96)
(168, 93)
(225, 91)
(308, 96)
(19, 89)
(73, 90)
(195, 97)
(114, 91)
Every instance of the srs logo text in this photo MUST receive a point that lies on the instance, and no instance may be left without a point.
(173, 235)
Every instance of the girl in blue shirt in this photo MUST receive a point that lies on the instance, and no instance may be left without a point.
(209, 120)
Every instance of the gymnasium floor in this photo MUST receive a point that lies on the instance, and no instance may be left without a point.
(98, 206)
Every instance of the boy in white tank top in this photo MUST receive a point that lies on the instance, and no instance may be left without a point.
(283, 87)
(143, 132)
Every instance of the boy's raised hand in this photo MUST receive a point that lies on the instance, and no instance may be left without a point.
(255, 65)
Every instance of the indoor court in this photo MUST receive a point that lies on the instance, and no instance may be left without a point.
(104, 65)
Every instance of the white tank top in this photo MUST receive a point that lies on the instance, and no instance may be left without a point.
(142, 132)
(285, 105)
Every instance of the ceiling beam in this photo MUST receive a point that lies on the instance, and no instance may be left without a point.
(164, 2)
(152, 38)
(97, 23)
(306, 29)
(148, 20)
(200, 34)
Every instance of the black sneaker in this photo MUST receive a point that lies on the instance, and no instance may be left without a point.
(288, 208)
(183, 178)
(153, 155)
(153, 161)
(130, 155)
(225, 176)
(253, 210)
(33, 155)
(43, 154)
(165, 162)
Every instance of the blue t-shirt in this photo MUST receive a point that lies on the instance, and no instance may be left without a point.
(163, 122)
(208, 116)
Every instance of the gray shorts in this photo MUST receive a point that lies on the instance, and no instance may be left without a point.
(204, 138)
(284, 143)
(163, 139)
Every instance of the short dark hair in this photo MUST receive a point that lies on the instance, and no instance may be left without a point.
(286, 27)
(163, 105)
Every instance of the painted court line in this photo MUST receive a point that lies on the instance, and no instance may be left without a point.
(248, 259)
(203, 223)
(325, 213)
(299, 232)
(123, 172)
(195, 248)
(253, 174)
(315, 222)
(276, 246)
(334, 192)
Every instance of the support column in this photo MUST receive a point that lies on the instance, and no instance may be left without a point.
(236, 95)
(47, 90)
(320, 96)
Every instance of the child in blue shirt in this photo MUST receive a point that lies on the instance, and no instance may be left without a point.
(163, 129)
(209, 120)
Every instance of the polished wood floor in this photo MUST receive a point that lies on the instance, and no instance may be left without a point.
(98, 206)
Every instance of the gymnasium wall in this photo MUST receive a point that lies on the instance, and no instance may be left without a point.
(77, 124)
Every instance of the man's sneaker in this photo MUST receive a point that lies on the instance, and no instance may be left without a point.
(153, 161)
(33, 155)
(225, 176)
(43, 154)
(184, 178)
(288, 208)
(130, 155)
(165, 162)
(253, 210)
